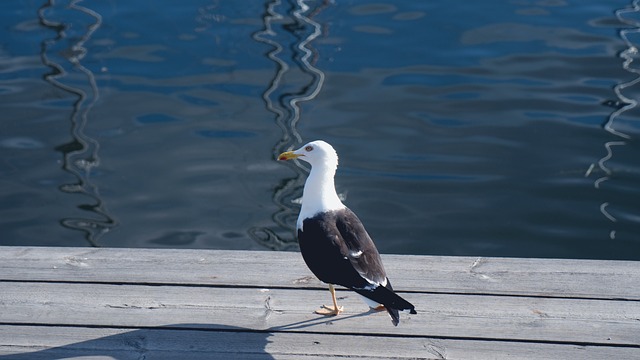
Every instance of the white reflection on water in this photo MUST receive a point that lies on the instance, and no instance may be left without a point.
(624, 104)
(271, 17)
(290, 33)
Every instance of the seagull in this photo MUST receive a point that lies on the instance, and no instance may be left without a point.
(333, 241)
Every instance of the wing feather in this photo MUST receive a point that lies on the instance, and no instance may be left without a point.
(360, 249)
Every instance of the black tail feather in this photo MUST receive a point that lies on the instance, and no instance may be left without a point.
(395, 315)
(391, 301)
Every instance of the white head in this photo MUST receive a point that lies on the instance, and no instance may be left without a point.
(319, 189)
(317, 153)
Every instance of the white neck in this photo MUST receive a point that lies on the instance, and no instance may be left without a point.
(319, 193)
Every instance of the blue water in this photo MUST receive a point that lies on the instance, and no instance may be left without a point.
(493, 128)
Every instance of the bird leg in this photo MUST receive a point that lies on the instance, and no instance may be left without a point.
(328, 310)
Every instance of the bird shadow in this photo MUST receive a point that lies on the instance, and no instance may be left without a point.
(177, 341)
(320, 320)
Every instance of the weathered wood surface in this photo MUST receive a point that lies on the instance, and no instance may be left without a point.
(465, 275)
(58, 303)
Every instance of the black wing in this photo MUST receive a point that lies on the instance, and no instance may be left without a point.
(326, 252)
(338, 250)
(359, 249)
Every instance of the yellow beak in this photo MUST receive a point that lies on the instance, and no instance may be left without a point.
(288, 155)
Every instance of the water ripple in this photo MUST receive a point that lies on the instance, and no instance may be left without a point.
(290, 33)
(623, 104)
(64, 55)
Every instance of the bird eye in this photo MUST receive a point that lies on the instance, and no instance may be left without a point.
(308, 148)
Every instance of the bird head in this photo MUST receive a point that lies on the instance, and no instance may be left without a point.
(316, 153)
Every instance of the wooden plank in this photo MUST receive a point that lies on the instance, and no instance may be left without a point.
(164, 304)
(553, 320)
(537, 277)
(45, 343)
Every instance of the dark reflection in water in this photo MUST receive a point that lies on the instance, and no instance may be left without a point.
(74, 25)
(289, 28)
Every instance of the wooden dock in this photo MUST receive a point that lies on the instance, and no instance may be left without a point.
(89, 303)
